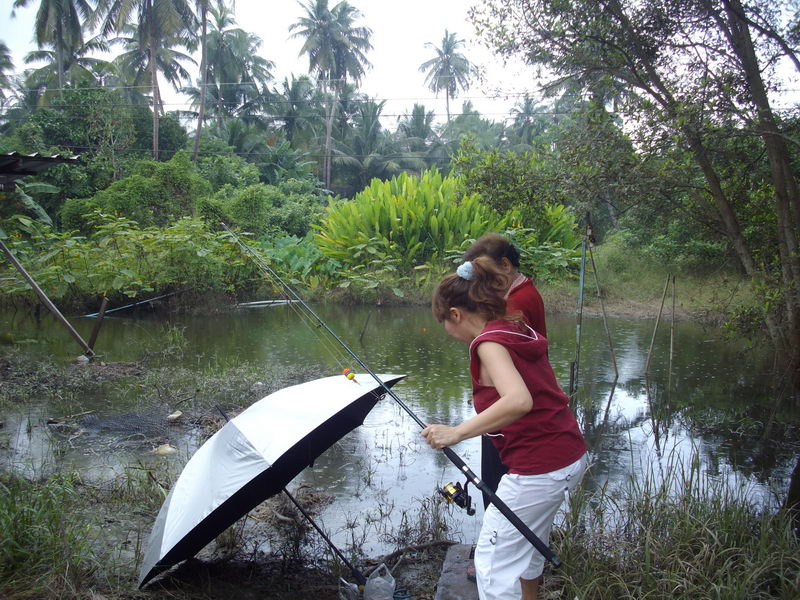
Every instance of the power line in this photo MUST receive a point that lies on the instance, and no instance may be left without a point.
(268, 117)
(248, 154)
(507, 116)
(314, 83)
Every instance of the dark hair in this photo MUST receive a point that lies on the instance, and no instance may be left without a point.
(484, 293)
(496, 247)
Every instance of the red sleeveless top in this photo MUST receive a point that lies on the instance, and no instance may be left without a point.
(523, 298)
(548, 437)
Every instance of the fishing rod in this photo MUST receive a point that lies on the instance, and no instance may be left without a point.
(509, 514)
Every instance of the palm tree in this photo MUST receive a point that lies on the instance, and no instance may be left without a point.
(237, 77)
(296, 106)
(604, 91)
(133, 64)
(22, 102)
(417, 128)
(486, 133)
(6, 67)
(160, 24)
(76, 66)
(529, 122)
(370, 151)
(202, 9)
(59, 23)
(348, 105)
(449, 70)
(336, 50)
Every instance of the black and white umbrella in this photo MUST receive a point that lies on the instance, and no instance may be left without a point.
(254, 456)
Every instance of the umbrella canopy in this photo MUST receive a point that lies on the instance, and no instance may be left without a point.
(254, 456)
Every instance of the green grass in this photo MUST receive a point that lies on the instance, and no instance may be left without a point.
(633, 285)
(687, 535)
(46, 550)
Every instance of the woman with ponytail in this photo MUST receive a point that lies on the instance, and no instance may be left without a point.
(522, 409)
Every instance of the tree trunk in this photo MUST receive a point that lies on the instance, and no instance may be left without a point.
(787, 200)
(612, 212)
(792, 503)
(60, 57)
(154, 83)
(203, 81)
(326, 166)
(447, 103)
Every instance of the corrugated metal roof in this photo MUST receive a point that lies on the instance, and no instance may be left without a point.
(15, 165)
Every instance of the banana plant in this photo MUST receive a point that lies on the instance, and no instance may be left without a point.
(29, 205)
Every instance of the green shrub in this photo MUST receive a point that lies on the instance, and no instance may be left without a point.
(299, 260)
(419, 218)
(74, 214)
(154, 194)
(120, 259)
(288, 208)
(221, 169)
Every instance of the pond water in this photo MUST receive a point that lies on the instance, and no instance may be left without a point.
(712, 401)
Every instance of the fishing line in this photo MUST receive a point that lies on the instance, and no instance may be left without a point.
(335, 350)
(448, 452)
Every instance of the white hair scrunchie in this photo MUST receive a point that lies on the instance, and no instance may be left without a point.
(465, 270)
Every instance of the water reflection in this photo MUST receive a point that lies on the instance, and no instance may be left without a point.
(713, 400)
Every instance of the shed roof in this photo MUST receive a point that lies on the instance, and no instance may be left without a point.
(15, 165)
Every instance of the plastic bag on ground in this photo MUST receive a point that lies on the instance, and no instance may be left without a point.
(348, 591)
(380, 584)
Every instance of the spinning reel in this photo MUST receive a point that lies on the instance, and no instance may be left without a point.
(455, 494)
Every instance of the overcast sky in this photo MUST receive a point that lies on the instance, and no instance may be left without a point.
(400, 31)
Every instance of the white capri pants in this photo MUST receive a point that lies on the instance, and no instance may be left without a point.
(502, 554)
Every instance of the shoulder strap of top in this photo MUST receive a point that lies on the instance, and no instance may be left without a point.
(533, 335)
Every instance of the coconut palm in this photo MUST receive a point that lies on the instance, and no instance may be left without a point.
(416, 129)
(336, 50)
(449, 70)
(160, 25)
(6, 67)
(59, 24)
(529, 123)
(133, 64)
(202, 11)
(296, 106)
(76, 66)
(246, 139)
(604, 91)
(370, 152)
(21, 103)
(237, 76)
(348, 105)
(487, 134)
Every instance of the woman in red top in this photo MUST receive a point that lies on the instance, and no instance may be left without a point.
(522, 298)
(522, 295)
(520, 404)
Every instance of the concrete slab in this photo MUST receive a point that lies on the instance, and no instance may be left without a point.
(453, 583)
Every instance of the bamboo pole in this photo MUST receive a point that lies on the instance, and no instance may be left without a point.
(575, 366)
(45, 300)
(96, 328)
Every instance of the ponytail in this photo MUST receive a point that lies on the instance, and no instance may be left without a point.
(477, 286)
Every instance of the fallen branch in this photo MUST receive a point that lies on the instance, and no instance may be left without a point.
(415, 548)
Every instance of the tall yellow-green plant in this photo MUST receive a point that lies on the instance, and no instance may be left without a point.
(421, 217)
